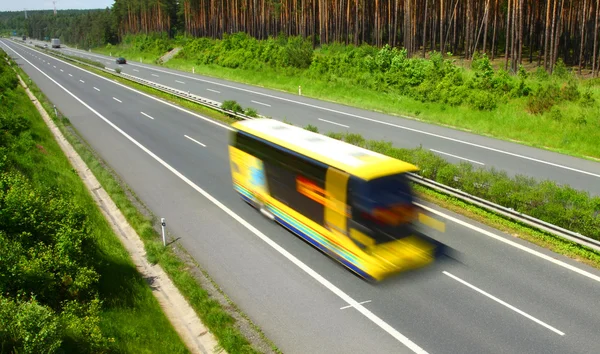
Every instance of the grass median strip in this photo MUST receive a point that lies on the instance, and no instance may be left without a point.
(547, 197)
(231, 327)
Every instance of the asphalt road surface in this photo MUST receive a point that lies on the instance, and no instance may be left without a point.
(453, 145)
(503, 295)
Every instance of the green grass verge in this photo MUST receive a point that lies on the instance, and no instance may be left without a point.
(543, 239)
(560, 132)
(175, 262)
(130, 315)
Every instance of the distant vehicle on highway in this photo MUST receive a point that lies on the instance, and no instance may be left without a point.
(121, 60)
(353, 204)
(55, 43)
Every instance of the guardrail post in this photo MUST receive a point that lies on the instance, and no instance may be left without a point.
(300, 90)
(193, 70)
(140, 59)
(55, 111)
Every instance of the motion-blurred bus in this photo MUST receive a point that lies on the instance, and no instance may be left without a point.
(351, 203)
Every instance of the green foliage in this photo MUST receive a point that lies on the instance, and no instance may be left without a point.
(26, 326)
(560, 205)
(66, 283)
(251, 112)
(387, 70)
(312, 128)
(560, 70)
(233, 106)
(239, 50)
(48, 275)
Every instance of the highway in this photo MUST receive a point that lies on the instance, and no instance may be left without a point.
(502, 296)
(451, 144)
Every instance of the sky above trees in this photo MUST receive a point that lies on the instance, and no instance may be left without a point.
(60, 4)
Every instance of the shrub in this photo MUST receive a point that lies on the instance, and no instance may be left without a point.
(251, 112)
(26, 326)
(231, 105)
(482, 100)
(312, 128)
(543, 99)
(587, 99)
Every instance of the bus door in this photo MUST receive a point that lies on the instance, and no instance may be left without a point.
(336, 210)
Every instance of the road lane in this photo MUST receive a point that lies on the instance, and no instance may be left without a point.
(508, 156)
(432, 303)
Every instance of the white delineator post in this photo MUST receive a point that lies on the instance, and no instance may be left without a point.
(162, 226)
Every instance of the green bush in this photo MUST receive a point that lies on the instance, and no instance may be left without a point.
(543, 99)
(312, 128)
(233, 106)
(26, 326)
(251, 112)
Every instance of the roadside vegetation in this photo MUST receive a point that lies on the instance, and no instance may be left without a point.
(66, 282)
(231, 327)
(557, 112)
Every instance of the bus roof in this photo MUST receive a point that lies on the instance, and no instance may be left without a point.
(352, 159)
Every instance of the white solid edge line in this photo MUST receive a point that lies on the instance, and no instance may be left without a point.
(512, 243)
(375, 121)
(118, 100)
(215, 91)
(140, 93)
(319, 278)
(264, 104)
(97, 89)
(330, 122)
(458, 157)
(146, 115)
(544, 324)
(194, 140)
(446, 216)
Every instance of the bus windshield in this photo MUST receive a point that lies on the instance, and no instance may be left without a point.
(384, 207)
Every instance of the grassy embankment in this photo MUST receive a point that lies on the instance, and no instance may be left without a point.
(230, 326)
(560, 205)
(557, 112)
(66, 281)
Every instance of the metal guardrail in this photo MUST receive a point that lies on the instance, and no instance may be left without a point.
(508, 212)
(167, 89)
(466, 197)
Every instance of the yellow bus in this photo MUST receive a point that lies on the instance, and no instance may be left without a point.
(351, 203)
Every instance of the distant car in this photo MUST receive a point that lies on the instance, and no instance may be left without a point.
(45, 46)
(121, 60)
